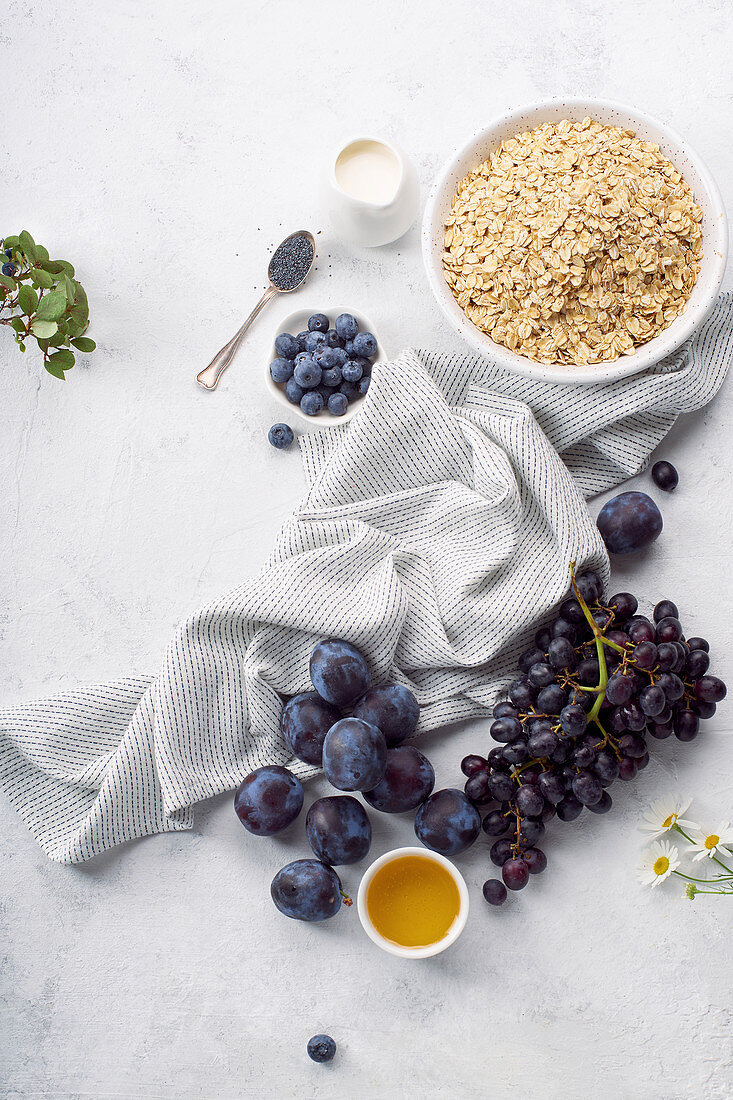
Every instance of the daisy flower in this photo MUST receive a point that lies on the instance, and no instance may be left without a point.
(710, 844)
(657, 863)
(665, 813)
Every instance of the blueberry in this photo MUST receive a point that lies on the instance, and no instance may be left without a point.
(349, 390)
(307, 373)
(281, 436)
(349, 348)
(293, 391)
(332, 377)
(9, 269)
(365, 364)
(351, 371)
(341, 356)
(318, 322)
(301, 340)
(346, 326)
(311, 403)
(365, 344)
(325, 391)
(321, 1048)
(338, 403)
(302, 356)
(281, 370)
(314, 341)
(333, 339)
(326, 358)
(363, 385)
(9, 253)
(286, 346)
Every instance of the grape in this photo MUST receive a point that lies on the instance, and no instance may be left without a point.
(665, 475)
(573, 720)
(672, 686)
(629, 522)
(697, 664)
(495, 759)
(354, 755)
(531, 830)
(589, 671)
(494, 891)
(268, 800)
(587, 788)
(305, 721)
(541, 675)
(652, 700)
(477, 789)
(542, 639)
(505, 710)
(569, 808)
(705, 710)
(561, 654)
(521, 693)
(501, 787)
(590, 587)
(643, 761)
(392, 708)
(699, 643)
(529, 801)
(321, 1048)
(666, 656)
(603, 805)
(571, 610)
(645, 655)
(641, 630)
(626, 768)
(472, 764)
(500, 851)
(619, 689)
(517, 752)
(709, 689)
(447, 823)
(339, 672)
(632, 745)
(551, 699)
(665, 609)
(543, 742)
(531, 657)
(583, 756)
(551, 787)
(307, 890)
(505, 729)
(536, 860)
(606, 766)
(660, 730)
(495, 823)
(624, 604)
(515, 873)
(669, 630)
(561, 628)
(338, 829)
(686, 725)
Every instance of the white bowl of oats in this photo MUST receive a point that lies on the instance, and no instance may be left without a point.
(575, 241)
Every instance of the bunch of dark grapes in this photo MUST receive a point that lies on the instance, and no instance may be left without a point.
(597, 684)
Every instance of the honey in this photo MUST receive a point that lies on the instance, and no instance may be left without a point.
(412, 901)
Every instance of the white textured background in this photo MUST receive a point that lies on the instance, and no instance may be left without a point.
(164, 148)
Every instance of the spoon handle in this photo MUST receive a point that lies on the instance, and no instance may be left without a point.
(210, 375)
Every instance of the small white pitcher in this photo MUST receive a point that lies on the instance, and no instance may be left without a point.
(358, 219)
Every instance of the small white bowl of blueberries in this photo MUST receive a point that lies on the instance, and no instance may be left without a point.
(321, 364)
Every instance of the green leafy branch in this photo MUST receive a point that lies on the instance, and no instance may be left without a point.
(40, 299)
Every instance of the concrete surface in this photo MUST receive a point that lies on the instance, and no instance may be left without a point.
(164, 149)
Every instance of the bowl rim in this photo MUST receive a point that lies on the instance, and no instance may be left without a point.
(649, 354)
(328, 421)
(395, 948)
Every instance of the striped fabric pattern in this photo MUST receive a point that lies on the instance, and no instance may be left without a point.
(437, 530)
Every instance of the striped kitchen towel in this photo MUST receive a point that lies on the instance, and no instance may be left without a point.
(437, 529)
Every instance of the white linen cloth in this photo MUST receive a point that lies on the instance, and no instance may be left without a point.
(437, 530)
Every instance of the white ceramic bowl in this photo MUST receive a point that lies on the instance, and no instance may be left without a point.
(483, 143)
(394, 948)
(298, 322)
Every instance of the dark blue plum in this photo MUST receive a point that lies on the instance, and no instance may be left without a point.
(391, 707)
(280, 436)
(346, 326)
(268, 800)
(312, 402)
(339, 672)
(629, 522)
(318, 322)
(305, 721)
(293, 392)
(351, 371)
(447, 823)
(365, 344)
(337, 404)
(281, 370)
(307, 890)
(408, 780)
(307, 373)
(354, 755)
(338, 829)
(286, 346)
(321, 1048)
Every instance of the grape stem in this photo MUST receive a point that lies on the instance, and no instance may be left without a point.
(345, 898)
(598, 637)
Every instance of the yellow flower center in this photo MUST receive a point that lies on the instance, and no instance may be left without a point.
(712, 841)
(661, 865)
(670, 821)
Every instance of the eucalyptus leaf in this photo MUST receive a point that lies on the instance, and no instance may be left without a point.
(63, 359)
(83, 343)
(41, 278)
(44, 329)
(51, 306)
(27, 300)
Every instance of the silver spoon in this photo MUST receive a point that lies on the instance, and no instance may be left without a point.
(287, 270)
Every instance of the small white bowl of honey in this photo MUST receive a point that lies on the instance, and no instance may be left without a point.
(413, 903)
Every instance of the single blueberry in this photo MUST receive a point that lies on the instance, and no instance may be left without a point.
(281, 369)
(311, 403)
(318, 323)
(302, 356)
(350, 390)
(293, 391)
(363, 385)
(301, 340)
(321, 1048)
(333, 339)
(338, 403)
(365, 344)
(349, 348)
(9, 269)
(346, 326)
(9, 253)
(314, 341)
(280, 436)
(307, 374)
(351, 371)
(286, 346)
(332, 377)
(325, 392)
(365, 364)
(326, 358)
(341, 356)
